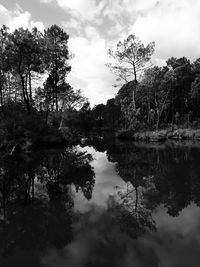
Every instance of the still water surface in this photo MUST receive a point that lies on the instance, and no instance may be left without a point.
(103, 204)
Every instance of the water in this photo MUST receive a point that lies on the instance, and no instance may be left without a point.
(103, 204)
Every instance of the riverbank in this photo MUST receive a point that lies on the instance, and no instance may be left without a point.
(28, 144)
(50, 138)
(161, 135)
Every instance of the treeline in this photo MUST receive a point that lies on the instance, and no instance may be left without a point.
(164, 96)
(152, 97)
(27, 57)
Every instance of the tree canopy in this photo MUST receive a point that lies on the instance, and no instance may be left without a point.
(129, 59)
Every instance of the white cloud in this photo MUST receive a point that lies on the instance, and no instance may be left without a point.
(18, 18)
(73, 26)
(105, 15)
(173, 25)
(86, 9)
(46, 1)
(88, 67)
(142, 5)
(96, 25)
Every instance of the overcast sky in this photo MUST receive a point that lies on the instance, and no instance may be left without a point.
(95, 26)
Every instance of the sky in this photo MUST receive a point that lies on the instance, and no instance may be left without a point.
(94, 26)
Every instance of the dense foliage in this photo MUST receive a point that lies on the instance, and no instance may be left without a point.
(152, 97)
(164, 96)
(29, 58)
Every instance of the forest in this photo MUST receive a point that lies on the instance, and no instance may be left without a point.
(152, 98)
(39, 107)
(73, 191)
(31, 113)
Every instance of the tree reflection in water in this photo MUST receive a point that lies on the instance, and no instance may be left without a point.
(130, 212)
(36, 200)
(37, 204)
(167, 174)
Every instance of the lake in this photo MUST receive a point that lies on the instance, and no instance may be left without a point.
(101, 203)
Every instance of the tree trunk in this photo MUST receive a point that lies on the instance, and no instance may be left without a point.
(9, 88)
(56, 95)
(136, 199)
(158, 119)
(30, 85)
(25, 95)
(172, 100)
(134, 87)
(1, 95)
(149, 106)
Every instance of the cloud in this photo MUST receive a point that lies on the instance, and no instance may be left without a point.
(109, 17)
(88, 67)
(46, 1)
(87, 9)
(98, 240)
(18, 18)
(177, 239)
(96, 25)
(173, 25)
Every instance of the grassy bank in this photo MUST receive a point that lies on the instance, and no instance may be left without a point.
(160, 135)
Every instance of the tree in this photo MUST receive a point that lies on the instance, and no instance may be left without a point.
(98, 112)
(24, 56)
(180, 93)
(195, 87)
(3, 43)
(130, 58)
(56, 60)
(195, 94)
(111, 114)
(70, 100)
(156, 87)
(164, 100)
